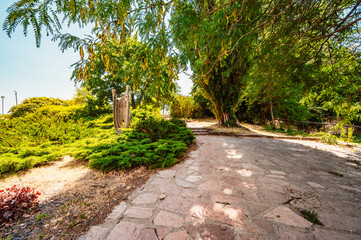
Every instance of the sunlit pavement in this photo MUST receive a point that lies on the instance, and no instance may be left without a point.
(245, 188)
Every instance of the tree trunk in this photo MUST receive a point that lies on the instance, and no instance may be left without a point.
(271, 104)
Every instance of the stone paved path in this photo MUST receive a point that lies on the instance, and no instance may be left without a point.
(245, 188)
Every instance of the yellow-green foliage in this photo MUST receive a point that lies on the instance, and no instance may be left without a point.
(48, 132)
(185, 107)
(44, 133)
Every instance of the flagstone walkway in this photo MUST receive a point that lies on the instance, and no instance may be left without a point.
(245, 188)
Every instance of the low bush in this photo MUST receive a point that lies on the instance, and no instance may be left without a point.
(326, 137)
(30, 105)
(52, 131)
(285, 129)
(154, 143)
(16, 201)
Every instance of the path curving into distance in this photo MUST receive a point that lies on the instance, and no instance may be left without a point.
(245, 188)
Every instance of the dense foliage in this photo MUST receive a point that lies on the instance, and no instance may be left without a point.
(264, 58)
(154, 143)
(49, 132)
(117, 64)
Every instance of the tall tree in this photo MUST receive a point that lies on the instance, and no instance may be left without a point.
(114, 65)
(217, 38)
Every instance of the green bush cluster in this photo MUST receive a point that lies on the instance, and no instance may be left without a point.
(46, 133)
(30, 105)
(154, 143)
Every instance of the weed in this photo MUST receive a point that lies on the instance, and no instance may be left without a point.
(82, 216)
(311, 216)
(41, 236)
(72, 224)
(40, 216)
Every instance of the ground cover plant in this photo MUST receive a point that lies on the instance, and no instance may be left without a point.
(16, 201)
(45, 133)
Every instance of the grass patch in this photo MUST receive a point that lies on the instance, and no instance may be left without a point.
(285, 130)
(40, 216)
(311, 216)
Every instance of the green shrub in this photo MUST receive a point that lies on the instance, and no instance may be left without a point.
(326, 137)
(144, 112)
(153, 143)
(30, 105)
(52, 131)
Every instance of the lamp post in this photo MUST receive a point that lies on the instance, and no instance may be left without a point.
(2, 98)
(16, 97)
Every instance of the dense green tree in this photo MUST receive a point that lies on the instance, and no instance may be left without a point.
(115, 65)
(222, 40)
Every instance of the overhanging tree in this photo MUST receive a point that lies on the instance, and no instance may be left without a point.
(115, 65)
(224, 33)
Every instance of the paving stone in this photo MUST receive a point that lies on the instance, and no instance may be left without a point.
(210, 185)
(117, 212)
(168, 219)
(244, 172)
(148, 234)
(250, 237)
(171, 203)
(288, 234)
(139, 212)
(323, 234)
(274, 181)
(183, 183)
(227, 214)
(194, 193)
(278, 172)
(271, 187)
(193, 179)
(265, 196)
(161, 181)
(96, 233)
(253, 209)
(146, 198)
(228, 200)
(162, 232)
(252, 229)
(126, 231)
(169, 189)
(340, 221)
(194, 168)
(265, 225)
(287, 216)
(181, 235)
(167, 173)
(212, 232)
(315, 185)
(277, 176)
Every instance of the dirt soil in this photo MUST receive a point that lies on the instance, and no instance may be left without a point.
(212, 124)
(73, 198)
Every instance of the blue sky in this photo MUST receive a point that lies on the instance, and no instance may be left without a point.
(37, 72)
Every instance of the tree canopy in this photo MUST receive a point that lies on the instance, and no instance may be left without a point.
(115, 65)
(239, 50)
